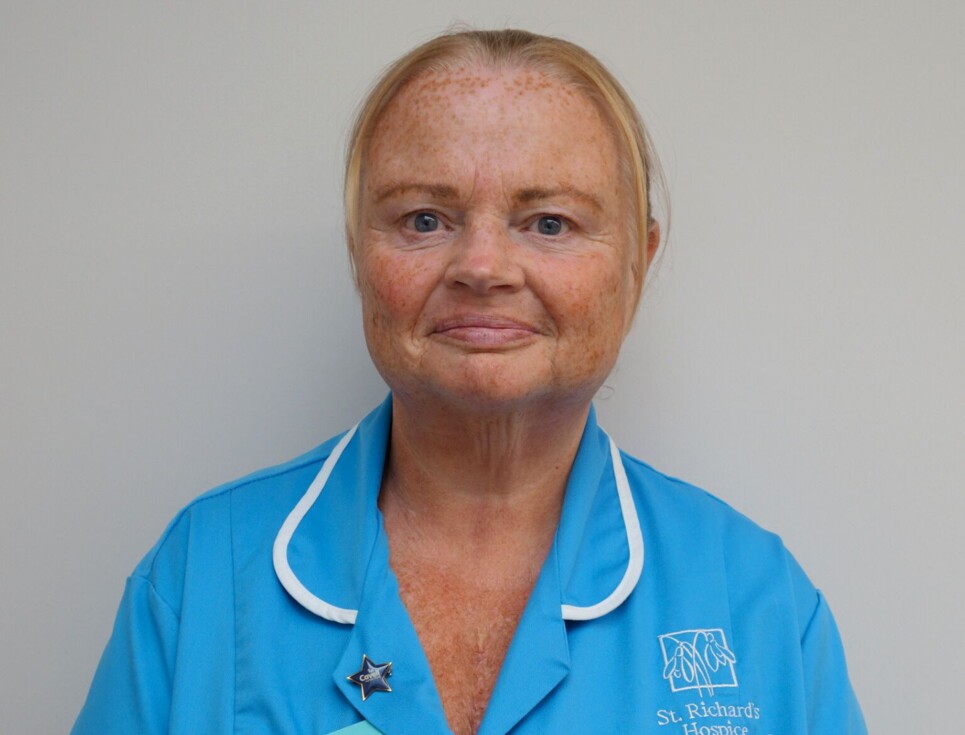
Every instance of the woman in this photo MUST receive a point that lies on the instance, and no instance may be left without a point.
(470, 557)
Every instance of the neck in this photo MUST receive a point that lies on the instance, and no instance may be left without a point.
(479, 480)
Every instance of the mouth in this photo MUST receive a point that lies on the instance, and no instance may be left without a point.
(484, 331)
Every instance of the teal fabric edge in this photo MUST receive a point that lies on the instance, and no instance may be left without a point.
(359, 728)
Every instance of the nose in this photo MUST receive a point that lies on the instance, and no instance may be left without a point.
(484, 259)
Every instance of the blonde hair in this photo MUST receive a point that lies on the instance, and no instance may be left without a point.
(510, 48)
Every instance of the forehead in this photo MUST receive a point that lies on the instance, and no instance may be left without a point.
(514, 123)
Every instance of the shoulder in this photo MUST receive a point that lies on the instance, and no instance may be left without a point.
(675, 501)
(700, 532)
(245, 513)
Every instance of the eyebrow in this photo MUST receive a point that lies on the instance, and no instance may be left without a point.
(436, 191)
(535, 194)
(523, 196)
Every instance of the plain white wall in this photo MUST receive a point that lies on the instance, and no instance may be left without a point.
(175, 307)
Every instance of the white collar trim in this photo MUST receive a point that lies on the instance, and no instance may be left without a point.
(280, 551)
(631, 523)
(315, 604)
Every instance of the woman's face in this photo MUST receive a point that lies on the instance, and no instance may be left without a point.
(494, 256)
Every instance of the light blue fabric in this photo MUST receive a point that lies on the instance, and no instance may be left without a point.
(723, 634)
(362, 728)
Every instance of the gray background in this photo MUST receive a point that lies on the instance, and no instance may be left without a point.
(175, 307)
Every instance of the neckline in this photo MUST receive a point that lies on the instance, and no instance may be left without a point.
(325, 609)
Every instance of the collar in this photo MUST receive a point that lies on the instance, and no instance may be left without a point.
(333, 538)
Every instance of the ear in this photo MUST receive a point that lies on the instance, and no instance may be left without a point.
(653, 244)
(649, 253)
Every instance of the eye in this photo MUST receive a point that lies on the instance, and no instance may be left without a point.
(423, 222)
(550, 225)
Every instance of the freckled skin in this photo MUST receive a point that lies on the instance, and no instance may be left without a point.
(485, 427)
(489, 135)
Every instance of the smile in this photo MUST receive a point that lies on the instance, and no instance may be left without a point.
(484, 331)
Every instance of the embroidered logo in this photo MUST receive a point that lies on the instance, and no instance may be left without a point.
(698, 659)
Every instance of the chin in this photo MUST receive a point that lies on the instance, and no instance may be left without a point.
(500, 393)
(491, 382)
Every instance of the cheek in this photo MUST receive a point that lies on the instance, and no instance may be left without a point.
(393, 291)
(591, 314)
(594, 304)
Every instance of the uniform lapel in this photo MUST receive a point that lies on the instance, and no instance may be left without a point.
(384, 633)
(538, 658)
(581, 579)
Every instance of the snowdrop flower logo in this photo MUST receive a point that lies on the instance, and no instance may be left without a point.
(698, 659)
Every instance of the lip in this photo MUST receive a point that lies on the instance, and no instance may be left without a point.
(484, 330)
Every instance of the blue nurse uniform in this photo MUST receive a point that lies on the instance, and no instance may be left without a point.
(658, 611)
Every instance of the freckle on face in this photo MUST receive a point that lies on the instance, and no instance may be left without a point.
(468, 130)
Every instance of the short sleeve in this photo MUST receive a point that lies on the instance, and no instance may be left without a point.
(830, 702)
(173, 636)
(131, 690)
(832, 708)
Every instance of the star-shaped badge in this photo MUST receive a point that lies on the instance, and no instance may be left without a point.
(372, 677)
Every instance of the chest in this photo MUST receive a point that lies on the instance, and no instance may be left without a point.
(279, 665)
(465, 627)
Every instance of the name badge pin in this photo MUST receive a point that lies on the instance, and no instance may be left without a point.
(372, 677)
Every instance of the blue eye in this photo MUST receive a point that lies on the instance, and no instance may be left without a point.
(549, 225)
(425, 222)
